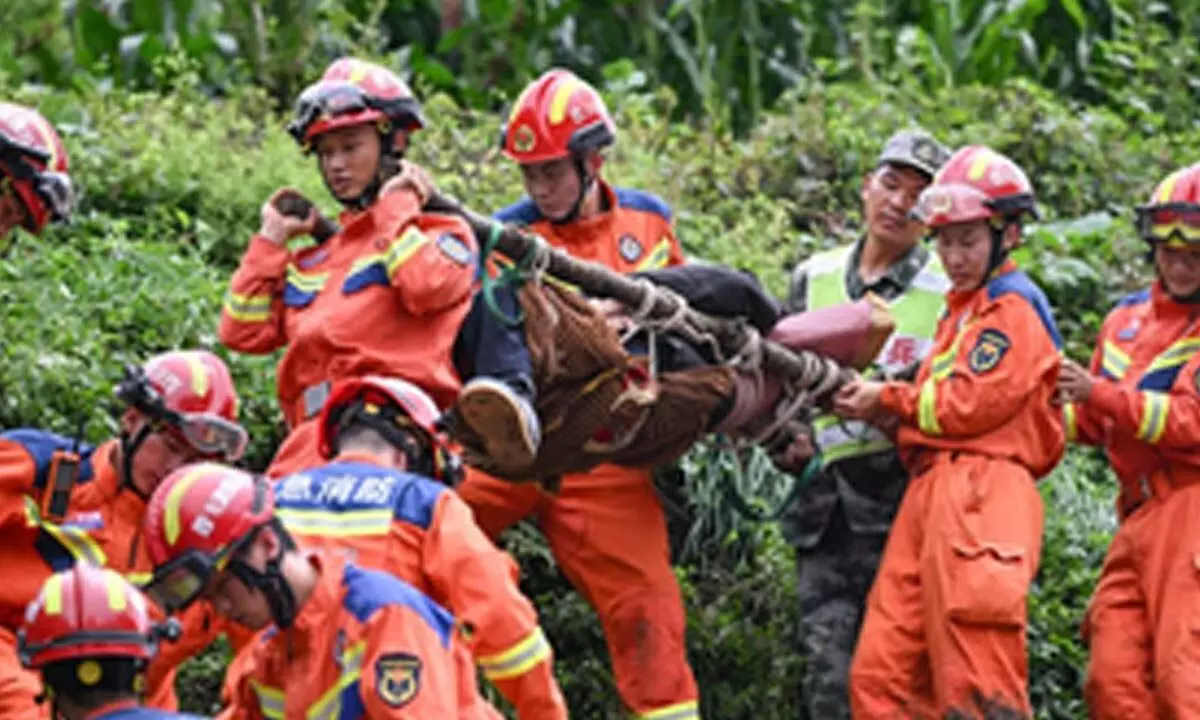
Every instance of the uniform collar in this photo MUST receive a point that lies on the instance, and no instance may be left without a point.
(589, 229)
(900, 274)
(313, 619)
(1165, 306)
(958, 299)
(112, 708)
(357, 456)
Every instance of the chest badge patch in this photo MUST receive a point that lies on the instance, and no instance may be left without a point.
(630, 248)
(454, 248)
(988, 350)
(398, 678)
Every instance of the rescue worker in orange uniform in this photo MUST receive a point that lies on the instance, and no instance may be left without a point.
(63, 502)
(89, 635)
(606, 528)
(384, 501)
(1140, 401)
(337, 640)
(386, 294)
(35, 188)
(944, 632)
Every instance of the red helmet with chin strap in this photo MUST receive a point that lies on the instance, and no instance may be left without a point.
(34, 163)
(190, 394)
(197, 521)
(388, 405)
(88, 612)
(556, 116)
(976, 183)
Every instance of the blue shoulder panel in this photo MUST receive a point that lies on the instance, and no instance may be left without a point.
(1135, 298)
(1018, 282)
(145, 713)
(522, 212)
(644, 201)
(368, 591)
(42, 445)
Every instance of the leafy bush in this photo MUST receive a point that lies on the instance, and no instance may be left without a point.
(171, 189)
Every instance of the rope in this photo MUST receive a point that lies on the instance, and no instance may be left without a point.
(750, 509)
(509, 276)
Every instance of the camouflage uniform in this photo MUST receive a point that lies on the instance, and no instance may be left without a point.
(839, 523)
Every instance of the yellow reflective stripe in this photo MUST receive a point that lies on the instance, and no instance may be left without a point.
(927, 419)
(1115, 361)
(116, 592)
(558, 104)
(687, 710)
(1155, 406)
(1177, 354)
(1168, 187)
(248, 308)
(400, 251)
(517, 660)
(76, 540)
(329, 705)
(336, 524)
(657, 258)
(943, 363)
(172, 523)
(52, 595)
(1070, 422)
(270, 700)
(306, 282)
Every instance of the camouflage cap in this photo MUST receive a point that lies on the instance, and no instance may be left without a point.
(915, 149)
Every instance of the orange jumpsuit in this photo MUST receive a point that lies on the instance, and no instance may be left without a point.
(363, 645)
(606, 528)
(421, 532)
(384, 296)
(101, 524)
(1143, 625)
(945, 622)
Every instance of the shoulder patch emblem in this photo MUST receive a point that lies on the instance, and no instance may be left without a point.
(988, 350)
(397, 678)
(454, 248)
(630, 248)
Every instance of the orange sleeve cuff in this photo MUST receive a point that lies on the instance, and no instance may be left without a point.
(265, 258)
(900, 399)
(1106, 400)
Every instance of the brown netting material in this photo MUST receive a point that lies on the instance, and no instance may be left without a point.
(597, 403)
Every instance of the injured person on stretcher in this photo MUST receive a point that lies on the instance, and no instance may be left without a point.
(557, 383)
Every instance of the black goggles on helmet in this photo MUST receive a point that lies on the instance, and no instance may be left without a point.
(327, 99)
(54, 189)
(180, 582)
(208, 434)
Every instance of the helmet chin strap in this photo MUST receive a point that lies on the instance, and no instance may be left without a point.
(587, 181)
(129, 447)
(270, 582)
(997, 254)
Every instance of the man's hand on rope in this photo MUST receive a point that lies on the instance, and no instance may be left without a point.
(859, 400)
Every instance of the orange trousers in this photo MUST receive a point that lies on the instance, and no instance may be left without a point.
(945, 622)
(608, 533)
(1143, 624)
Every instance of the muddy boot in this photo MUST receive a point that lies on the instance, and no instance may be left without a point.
(504, 419)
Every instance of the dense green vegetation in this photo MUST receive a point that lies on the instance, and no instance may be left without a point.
(170, 113)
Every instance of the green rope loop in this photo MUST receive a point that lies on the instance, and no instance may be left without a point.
(751, 509)
(513, 275)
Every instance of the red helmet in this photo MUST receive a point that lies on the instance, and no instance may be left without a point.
(355, 92)
(190, 392)
(86, 612)
(384, 404)
(976, 183)
(1172, 216)
(34, 160)
(197, 520)
(556, 116)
